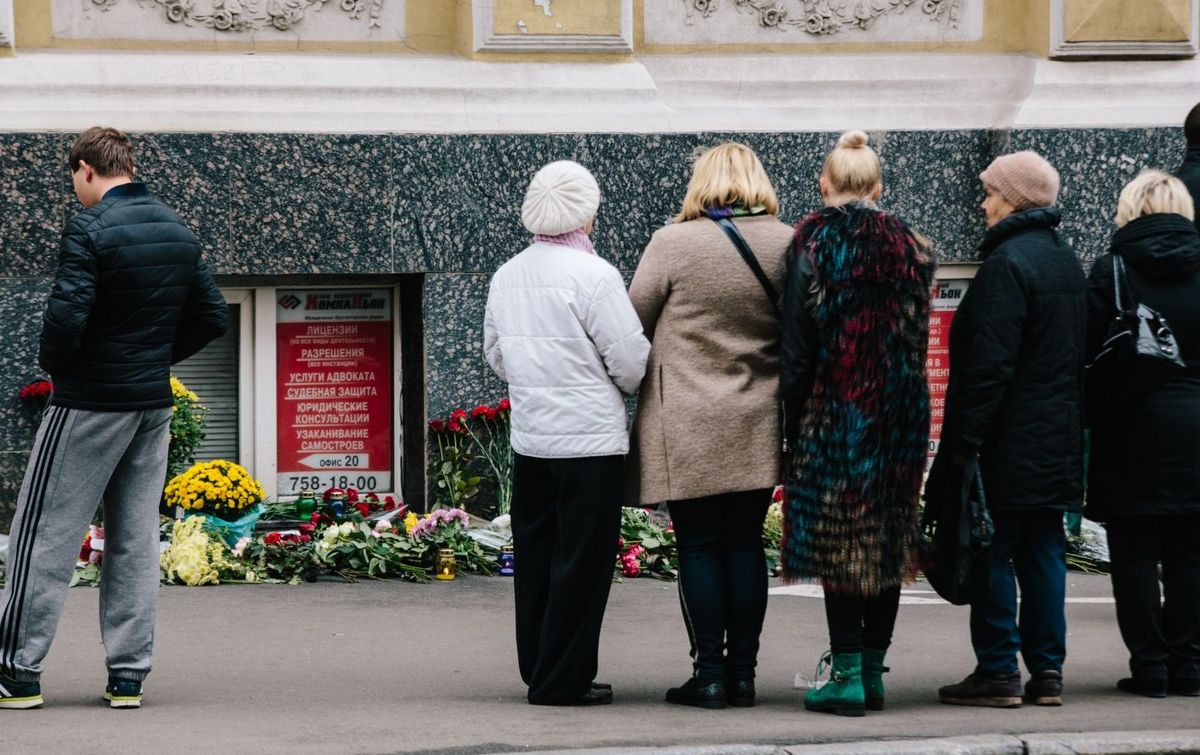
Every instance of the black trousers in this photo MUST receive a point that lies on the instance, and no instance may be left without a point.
(566, 516)
(1162, 632)
(722, 580)
(856, 622)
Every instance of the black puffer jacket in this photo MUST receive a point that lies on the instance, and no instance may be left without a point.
(1189, 173)
(1016, 368)
(1146, 453)
(132, 296)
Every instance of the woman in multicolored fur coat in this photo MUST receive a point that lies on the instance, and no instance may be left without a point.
(856, 402)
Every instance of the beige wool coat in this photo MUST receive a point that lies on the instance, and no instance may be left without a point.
(707, 417)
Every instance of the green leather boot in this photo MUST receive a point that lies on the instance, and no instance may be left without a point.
(872, 677)
(843, 694)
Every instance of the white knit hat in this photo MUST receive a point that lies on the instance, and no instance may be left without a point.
(562, 197)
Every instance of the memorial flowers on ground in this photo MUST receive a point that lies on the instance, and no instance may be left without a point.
(469, 448)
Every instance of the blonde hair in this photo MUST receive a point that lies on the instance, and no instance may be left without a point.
(852, 167)
(728, 174)
(1153, 192)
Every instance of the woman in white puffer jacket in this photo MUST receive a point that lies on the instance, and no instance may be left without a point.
(560, 330)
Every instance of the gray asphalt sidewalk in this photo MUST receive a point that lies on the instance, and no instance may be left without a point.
(387, 667)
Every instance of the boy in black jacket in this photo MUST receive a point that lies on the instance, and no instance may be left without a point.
(131, 297)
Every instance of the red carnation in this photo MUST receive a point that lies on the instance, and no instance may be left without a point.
(777, 496)
(352, 495)
(504, 405)
(458, 414)
(389, 503)
(305, 539)
(455, 426)
(492, 414)
(273, 538)
(480, 411)
(364, 509)
(437, 425)
(307, 528)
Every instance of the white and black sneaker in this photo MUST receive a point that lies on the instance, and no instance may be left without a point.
(123, 693)
(19, 695)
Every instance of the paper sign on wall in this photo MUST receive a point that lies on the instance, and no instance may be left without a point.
(334, 389)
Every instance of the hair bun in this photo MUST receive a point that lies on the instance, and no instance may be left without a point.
(853, 140)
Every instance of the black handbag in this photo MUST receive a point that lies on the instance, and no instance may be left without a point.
(1139, 353)
(956, 531)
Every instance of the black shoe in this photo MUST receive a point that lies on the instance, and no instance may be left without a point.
(592, 697)
(123, 693)
(18, 695)
(740, 693)
(1186, 686)
(1044, 688)
(694, 692)
(984, 691)
(1144, 687)
(602, 686)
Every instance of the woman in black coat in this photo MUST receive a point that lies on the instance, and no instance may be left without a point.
(1144, 476)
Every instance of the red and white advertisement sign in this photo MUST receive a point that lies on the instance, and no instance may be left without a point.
(947, 294)
(334, 389)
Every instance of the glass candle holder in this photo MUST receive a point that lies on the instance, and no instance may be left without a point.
(507, 561)
(306, 504)
(445, 564)
(337, 504)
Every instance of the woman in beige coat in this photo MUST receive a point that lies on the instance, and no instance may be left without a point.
(707, 429)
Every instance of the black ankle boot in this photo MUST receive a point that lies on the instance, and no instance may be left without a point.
(709, 695)
(740, 693)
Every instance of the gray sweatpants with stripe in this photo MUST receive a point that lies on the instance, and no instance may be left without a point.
(78, 458)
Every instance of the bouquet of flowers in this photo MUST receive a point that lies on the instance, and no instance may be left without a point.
(447, 528)
(646, 546)
(91, 554)
(35, 395)
(187, 428)
(195, 557)
(454, 483)
(358, 549)
(471, 447)
(282, 557)
(220, 488)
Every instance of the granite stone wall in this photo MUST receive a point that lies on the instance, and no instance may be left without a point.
(447, 206)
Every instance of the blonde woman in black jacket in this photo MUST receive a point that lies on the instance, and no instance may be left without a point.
(1144, 476)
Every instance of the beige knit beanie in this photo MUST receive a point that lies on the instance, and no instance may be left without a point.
(562, 197)
(1025, 179)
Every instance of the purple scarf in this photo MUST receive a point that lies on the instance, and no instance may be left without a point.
(575, 239)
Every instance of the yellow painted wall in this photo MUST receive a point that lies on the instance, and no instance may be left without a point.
(1119, 20)
(567, 17)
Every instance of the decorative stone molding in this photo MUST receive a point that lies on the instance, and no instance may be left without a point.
(1102, 28)
(826, 17)
(239, 16)
(6, 23)
(326, 20)
(488, 39)
(804, 21)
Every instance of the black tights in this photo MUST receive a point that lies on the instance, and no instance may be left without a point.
(856, 622)
(722, 580)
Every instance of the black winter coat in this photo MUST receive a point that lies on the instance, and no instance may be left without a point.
(1189, 173)
(1015, 393)
(1145, 456)
(132, 296)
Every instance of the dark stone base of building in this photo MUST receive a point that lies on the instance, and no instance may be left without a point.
(285, 209)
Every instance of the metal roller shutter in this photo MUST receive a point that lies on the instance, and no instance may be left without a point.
(213, 374)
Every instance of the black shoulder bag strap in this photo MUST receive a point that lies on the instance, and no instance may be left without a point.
(743, 248)
(1119, 277)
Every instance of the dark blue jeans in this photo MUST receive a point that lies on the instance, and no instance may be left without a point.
(722, 580)
(1033, 546)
